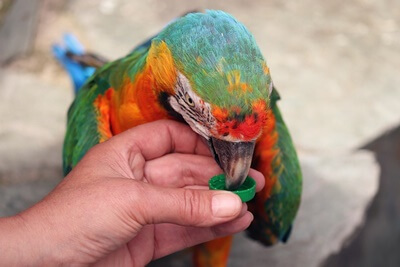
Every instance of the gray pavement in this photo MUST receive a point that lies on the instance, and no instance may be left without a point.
(334, 63)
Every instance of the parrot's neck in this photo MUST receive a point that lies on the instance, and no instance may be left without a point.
(137, 101)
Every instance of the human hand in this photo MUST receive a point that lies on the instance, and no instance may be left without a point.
(139, 196)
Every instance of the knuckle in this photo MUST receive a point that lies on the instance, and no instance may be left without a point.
(195, 206)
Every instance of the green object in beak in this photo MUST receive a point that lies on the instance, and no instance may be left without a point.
(246, 191)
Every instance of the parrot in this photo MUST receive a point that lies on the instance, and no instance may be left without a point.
(203, 69)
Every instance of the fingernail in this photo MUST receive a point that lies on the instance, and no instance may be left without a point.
(225, 204)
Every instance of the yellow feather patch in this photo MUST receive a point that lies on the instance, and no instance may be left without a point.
(235, 84)
(199, 60)
(162, 65)
(265, 68)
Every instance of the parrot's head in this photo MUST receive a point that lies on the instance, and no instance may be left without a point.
(210, 71)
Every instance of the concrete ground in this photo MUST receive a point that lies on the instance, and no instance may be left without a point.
(335, 65)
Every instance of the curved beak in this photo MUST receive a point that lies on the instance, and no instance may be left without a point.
(234, 158)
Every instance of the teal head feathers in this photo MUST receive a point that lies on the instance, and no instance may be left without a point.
(221, 83)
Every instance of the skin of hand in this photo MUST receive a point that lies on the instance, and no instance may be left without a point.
(137, 197)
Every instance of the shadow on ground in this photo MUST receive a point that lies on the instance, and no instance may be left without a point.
(377, 243)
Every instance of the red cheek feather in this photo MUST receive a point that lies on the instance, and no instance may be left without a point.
(247, 130)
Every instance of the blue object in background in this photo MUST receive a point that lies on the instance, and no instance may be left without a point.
(78, 72)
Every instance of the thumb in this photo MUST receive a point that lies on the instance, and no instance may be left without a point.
(188, 207)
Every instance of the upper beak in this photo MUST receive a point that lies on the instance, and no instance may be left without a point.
(234, 158)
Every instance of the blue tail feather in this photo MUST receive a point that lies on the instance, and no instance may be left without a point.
(78, 72)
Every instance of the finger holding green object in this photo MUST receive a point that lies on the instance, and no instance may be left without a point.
(246, 191)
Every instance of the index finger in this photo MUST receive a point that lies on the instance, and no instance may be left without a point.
(159, 138)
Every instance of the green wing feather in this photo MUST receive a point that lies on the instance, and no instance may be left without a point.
(282, 205)
(82, 127)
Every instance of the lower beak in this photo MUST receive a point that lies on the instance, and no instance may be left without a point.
(234, 158)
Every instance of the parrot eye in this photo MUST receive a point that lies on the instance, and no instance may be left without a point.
(189, 100)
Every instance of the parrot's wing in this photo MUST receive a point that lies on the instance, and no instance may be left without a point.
(275, 207)
(89, 117)
(83, 127)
